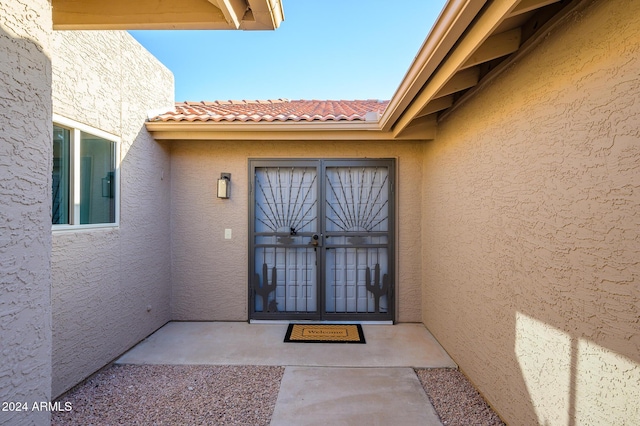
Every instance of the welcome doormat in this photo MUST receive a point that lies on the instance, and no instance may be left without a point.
(325, 333)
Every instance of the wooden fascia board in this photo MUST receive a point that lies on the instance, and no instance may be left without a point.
(454, 19)
(279, 131)
(291, 136)
(142, 14)
(483, 27)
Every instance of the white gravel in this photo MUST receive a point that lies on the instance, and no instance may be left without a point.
(228, 395)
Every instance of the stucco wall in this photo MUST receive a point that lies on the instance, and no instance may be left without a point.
(531, 207)
(111, 287)
(210, 273)
(25, 179)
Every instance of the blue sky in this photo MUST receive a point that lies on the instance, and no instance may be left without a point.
(324, 49)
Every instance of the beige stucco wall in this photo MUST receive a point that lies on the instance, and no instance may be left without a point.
(209, 273)
(531, 206)
(111, 287)
(25, 179)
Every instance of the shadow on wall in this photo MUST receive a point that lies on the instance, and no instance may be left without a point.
(130, 298)
(531, 203)
(111, 286)
(568, 378)
(25, 197)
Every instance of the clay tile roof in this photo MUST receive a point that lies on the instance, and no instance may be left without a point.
(273, 110)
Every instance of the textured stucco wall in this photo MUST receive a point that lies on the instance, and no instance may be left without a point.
(25, 179)
(531, 219)
(104, 280)
(210, 273)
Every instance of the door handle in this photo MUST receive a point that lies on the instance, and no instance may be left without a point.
(315, 240)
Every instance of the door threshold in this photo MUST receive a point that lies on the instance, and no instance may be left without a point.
(253, 321)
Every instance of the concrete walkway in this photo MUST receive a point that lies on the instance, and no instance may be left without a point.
(323, 383)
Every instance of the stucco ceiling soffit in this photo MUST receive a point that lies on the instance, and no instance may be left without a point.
(159, 14)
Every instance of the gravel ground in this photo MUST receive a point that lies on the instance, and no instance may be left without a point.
(228, 395)
(174, 395)
(455, 400)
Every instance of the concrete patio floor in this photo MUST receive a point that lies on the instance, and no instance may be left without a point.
(323, 383)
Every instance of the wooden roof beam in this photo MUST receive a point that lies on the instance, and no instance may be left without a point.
(454, 19)
(459, 82)
(233, 10)
(422, 128)
(528, 5)
(496, 46)
(479, 32)
(263, 14)
(436, 105)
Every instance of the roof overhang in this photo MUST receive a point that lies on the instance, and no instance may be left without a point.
(339, 130)
(166, 14)
(470, 44)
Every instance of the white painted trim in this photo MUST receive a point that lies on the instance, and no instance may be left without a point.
(67, 122)
(86, 227)
(74, 185)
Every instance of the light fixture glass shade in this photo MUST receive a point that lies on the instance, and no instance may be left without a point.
(224, 185)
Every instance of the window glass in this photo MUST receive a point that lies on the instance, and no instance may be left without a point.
(84, 175)
(61, 175)
(97, 180)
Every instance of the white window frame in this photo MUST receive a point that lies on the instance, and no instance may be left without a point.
(75, 129)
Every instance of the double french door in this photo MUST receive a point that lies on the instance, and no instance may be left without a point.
(321, 240)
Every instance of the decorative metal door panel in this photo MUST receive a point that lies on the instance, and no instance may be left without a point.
(321, 239)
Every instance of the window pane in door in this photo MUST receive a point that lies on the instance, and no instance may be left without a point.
(97, 180)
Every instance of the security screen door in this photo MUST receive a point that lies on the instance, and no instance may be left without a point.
(321, 243)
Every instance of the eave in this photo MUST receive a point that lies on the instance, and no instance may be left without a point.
(471, 43)
(308, 131)
(166, 14)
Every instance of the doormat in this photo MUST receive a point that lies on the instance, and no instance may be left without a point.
(325, 333)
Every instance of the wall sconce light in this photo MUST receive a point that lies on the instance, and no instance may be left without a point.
(224, 185)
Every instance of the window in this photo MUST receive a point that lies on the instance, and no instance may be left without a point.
(85, 176)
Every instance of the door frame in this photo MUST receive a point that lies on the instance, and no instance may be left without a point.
(321, 164)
